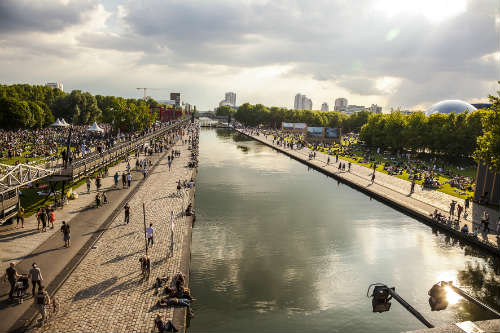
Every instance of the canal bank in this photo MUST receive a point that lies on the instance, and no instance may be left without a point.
(104, 293)
(403, 202)
(281, 247)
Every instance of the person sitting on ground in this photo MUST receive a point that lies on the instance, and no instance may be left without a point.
(175, 301)
(189, 210)
(465, 229)
(164, 326)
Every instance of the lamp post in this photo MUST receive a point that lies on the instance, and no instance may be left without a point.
(438, 297)
(381, 297)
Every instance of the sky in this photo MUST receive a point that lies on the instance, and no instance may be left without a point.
(395, 53)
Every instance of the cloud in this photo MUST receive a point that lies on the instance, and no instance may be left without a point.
(42, 16)
(354, 48)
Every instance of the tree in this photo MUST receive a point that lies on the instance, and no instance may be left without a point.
(15, 114)
(488, 144)
(224, 111)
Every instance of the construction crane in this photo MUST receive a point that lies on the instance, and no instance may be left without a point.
(145, 89)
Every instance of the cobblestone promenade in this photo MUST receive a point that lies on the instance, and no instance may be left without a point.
(104, 293)
(422, 200)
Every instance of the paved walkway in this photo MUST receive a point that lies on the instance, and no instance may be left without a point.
(18, 244)
(55, 261)
(395, 189)
(104, 293)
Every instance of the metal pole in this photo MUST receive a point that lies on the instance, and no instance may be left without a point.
(145, 238)
(409, 308)
(474, 300)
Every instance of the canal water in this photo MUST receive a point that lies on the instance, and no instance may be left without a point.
(278, 247)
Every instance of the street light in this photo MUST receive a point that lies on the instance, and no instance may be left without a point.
(439, 292)
(382, 295)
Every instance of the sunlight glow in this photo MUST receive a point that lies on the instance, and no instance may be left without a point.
(388, 84)
(451, 296)
(435, 11)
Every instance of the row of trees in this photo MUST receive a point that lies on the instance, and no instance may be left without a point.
(465, 134)
(254, 115)
(28, 106)
(450, 134)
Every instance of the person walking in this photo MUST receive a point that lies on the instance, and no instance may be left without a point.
(486, 222)
(38, 217)
(52, 218)
(124, 180)
(36, 277)
(20, 216)
(412, 188)
(88, 185)
(11, 276)
(98, 183)
(144, 172)
(459, 211)
(349, 165)
(373, 177)
(149, 234)
(127, 213)
(328, 161)
(43, 219)
(467, 203)
(452, 207)
(42, 300)
(116, 177)
(65, 229)
(129, 179)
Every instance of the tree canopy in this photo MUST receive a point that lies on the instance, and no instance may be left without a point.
(35, 106)
(488, 143)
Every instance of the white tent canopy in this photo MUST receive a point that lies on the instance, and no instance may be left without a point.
(57, 123)
(95, 128)
(64, 122)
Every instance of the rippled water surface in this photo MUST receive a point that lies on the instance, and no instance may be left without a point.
(277, 247)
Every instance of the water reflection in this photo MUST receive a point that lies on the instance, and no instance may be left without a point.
(279, 248)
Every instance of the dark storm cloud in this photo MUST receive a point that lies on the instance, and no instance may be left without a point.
(41, 16)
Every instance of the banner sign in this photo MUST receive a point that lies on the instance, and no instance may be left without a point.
(300, 125)
(287, 125)
(332, 133)
(315, 132)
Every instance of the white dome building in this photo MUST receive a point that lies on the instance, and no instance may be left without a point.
(449, 106)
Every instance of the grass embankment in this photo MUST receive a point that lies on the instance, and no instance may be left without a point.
(32, 201)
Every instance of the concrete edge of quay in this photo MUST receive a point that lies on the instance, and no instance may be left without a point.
(31, 314)
(387, 200)
(180, 313)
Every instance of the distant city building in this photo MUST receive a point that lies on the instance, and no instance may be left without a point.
(324, 107)
(55, 85)
(231, 98)
(176, 97)
(301, 102)
(375, 108)
(483, 106)
(340, 104)
(350, 109)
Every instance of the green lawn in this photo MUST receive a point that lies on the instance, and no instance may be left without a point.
(445, 188)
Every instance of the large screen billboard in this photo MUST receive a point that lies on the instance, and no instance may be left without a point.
(315, 132)
(331, 133)
(288, 125)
